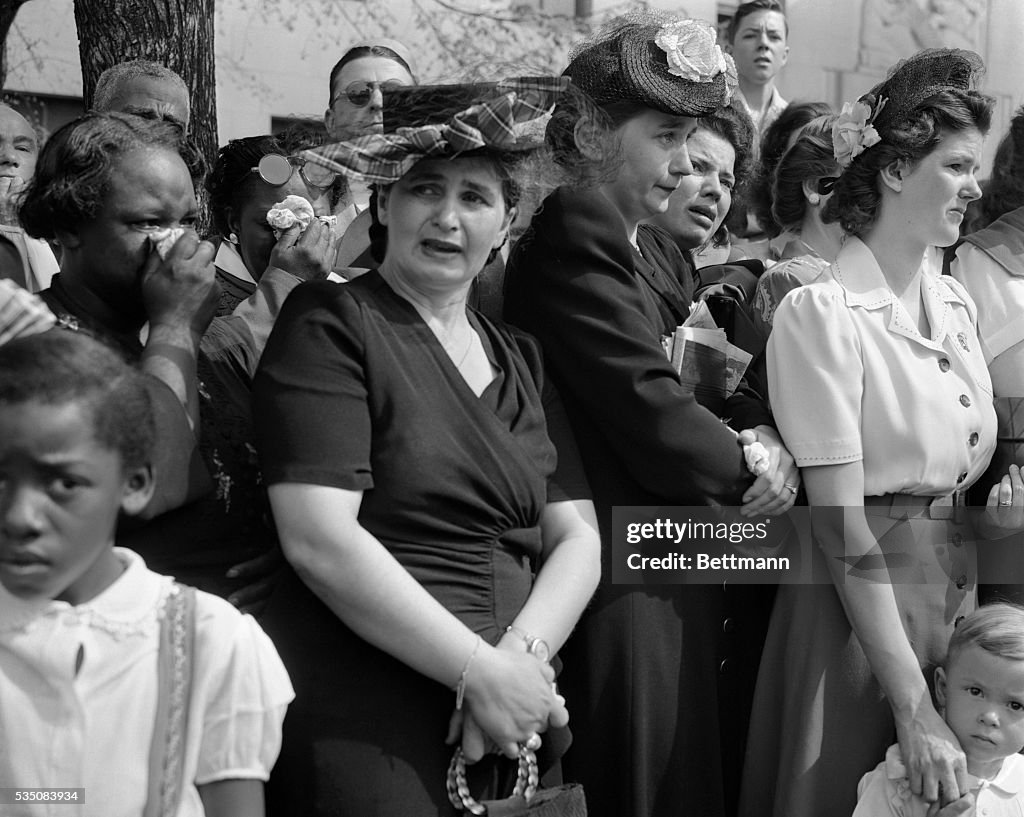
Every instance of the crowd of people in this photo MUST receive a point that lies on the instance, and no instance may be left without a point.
(376, 425)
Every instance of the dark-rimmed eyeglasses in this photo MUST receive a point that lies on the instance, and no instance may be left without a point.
(276, 169)
(359, 92)
(826, 184)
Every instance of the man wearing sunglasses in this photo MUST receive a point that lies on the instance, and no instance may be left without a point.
(356, 108)
(356, 103)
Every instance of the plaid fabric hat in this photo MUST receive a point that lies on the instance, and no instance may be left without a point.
(672, 65)
(473, 116)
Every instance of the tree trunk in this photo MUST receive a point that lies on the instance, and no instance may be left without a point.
(8, 11)
(175, 33)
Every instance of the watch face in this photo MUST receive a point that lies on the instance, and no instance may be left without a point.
(539, 649)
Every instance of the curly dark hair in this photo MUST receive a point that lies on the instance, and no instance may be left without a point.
(857, 196)
(809, 157)
(774, 142)
(735, 126)
(231, 180)
(1005, 189)
(61, 366)
(74, 167)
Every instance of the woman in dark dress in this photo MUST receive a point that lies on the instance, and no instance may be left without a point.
(600, 290)
(407, 443)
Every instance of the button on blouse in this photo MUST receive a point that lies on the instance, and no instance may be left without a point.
(851, 378)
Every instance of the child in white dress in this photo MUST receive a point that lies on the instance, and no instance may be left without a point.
(152, 698)
(980, 694)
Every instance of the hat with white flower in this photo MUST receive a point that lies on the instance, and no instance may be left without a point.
(864, 123)
(672, 65)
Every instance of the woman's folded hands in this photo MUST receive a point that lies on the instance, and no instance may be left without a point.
(509, 697)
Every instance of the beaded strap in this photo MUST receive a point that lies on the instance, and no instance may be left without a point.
(174, 689)
(458, 790)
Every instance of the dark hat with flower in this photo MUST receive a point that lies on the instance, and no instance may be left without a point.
(672, 65)
(444, 121)
(910, 82)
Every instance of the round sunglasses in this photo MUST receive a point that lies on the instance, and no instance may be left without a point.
(359, 92)
(276, 169)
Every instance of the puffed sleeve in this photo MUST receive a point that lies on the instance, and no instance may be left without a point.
(815, 377)
(240, 691)
(779, 281)
(310, 394)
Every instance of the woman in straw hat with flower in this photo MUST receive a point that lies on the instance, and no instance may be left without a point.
(880, 390)
(601, 289)
(441, 554)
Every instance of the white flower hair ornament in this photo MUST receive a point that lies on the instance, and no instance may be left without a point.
(853, 132)
(693, 53)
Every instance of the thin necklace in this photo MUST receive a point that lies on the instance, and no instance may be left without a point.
(469, 346)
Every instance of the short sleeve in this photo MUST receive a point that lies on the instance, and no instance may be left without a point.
(816, 376)
(778, 281)
(310, 393)
(241, 691)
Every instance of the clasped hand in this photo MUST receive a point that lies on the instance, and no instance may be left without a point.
(936, 765)
(774, 492)
(509, 696)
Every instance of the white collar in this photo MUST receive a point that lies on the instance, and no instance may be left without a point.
(230, 261)
(134, 598)
(857, 272)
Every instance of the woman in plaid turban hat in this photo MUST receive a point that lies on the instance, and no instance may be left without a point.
(442, 556)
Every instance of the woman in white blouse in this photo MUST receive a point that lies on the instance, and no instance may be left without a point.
(881, 393)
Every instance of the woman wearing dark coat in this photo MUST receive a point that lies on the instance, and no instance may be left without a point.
(600, 290)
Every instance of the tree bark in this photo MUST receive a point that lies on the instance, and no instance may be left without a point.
(175, 33)
(8, 11)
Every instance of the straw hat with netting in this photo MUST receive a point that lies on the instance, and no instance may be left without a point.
(657, 60)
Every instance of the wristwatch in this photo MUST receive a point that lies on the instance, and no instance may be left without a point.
(537, 647)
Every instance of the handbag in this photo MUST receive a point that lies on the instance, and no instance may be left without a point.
(526, 800)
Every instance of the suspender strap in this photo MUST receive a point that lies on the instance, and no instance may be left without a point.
(174, 679)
